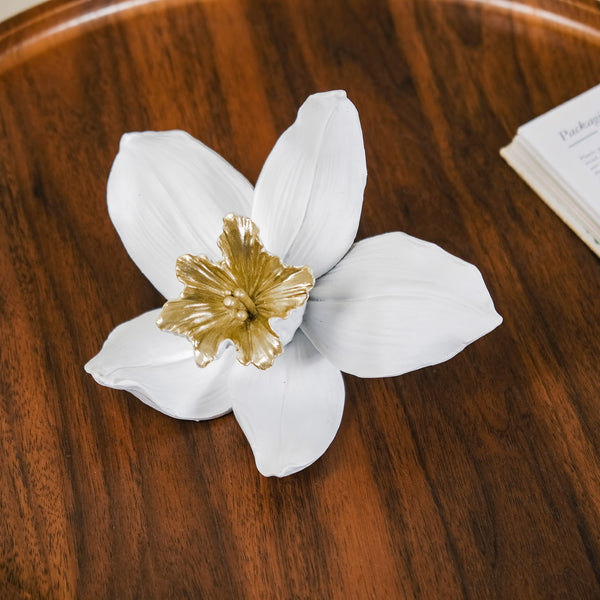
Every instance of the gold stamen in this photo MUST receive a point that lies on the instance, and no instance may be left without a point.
(243, 297)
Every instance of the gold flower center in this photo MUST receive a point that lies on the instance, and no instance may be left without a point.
(241, 304)
(235, 298)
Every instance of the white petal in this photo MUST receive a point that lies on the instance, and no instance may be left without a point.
(159, 368)
(291, 412)
(308, 197)
(167, 196)
(395, 304)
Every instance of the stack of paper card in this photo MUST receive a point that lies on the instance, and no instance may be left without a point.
(558, 155)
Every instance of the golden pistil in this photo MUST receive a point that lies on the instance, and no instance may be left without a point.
(235, 298)
(241, 303)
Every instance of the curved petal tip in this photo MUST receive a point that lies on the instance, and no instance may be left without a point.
(291, 412)
(158, 368)
(395, 304)
(309, 194)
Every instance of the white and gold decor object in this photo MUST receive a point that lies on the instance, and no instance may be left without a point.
(268, 297)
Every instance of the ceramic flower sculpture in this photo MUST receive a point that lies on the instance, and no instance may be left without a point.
(268, 297)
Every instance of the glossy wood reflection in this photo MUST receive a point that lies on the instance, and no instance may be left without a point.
(477, 478)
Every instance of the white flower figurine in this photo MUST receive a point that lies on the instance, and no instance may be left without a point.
(381, 307)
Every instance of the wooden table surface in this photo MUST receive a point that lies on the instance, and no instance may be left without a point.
(477, 478)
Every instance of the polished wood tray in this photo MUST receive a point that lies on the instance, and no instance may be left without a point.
(477, 478)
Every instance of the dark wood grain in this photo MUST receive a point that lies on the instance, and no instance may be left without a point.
(477, 478)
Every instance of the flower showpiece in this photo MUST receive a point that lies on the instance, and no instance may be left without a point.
(268, 297)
